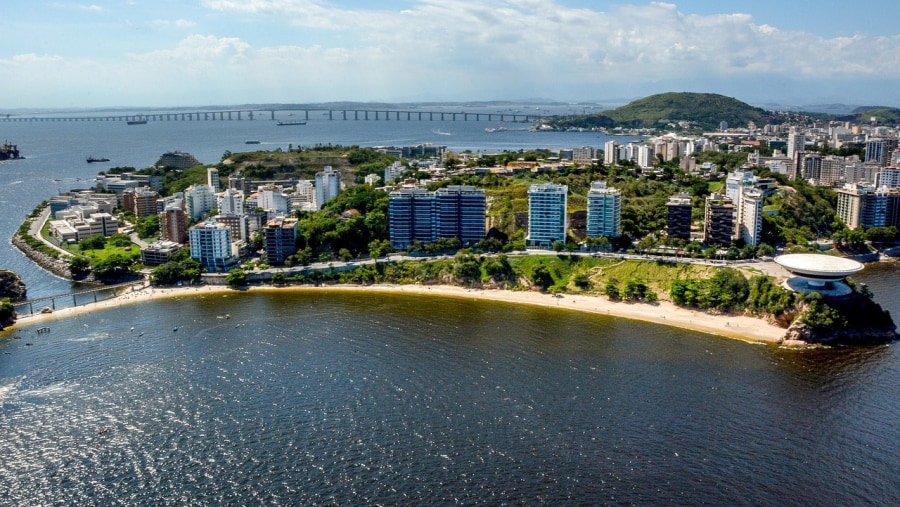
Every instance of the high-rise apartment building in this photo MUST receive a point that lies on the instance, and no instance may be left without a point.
(280, 239)
(173, 224)
(611, 153)
(411, 217)
(212, 178)
(141, 201)
(889, 177)
(604, 211)
(751, 216)
(678, 216)
(718, 228)
(328, 185)
(459, 213)
(231, 202)
(456, 211)
(547, 217)
(796, 143)
(864, 206)
(198, 199)
(211, 246)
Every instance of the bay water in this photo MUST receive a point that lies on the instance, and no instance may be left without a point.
(317, 398)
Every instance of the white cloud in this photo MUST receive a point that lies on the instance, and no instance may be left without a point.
(467, 49)
(178, 23)
(33, 58)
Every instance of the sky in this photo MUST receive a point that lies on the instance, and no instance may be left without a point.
(170, 53)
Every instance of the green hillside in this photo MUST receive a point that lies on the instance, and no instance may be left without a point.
(702, 110)
(883, 115)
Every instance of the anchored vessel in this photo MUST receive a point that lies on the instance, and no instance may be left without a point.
(290, 122)
(9, 151)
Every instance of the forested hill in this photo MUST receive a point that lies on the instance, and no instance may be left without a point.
(702, 110)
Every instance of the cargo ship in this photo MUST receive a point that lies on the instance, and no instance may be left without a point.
(290, 122)
(9, 152)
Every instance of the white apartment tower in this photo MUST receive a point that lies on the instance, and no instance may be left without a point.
(198, 199)
(212, 178)
(604, 211)
(547, 218)
(231, 202)
(611, 152)
(796, 142)
(328, 185)
(211, 246)
(751, 206)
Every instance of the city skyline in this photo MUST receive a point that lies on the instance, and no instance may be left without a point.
(160, 54)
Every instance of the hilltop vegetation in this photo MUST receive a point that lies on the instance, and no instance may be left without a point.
(889, 116)
(700, 110)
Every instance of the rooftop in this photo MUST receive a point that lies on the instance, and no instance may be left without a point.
(819, 266)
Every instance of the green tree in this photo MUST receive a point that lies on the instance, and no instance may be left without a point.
(113, 267)
(97, 242)
(148, 226)
(612, 290)
(541, 277)
(79, 265)
(236, 278)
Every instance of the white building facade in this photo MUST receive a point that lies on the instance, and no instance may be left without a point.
(604, 211)
(547, 218)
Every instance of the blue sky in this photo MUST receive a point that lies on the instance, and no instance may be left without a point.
(202, 52)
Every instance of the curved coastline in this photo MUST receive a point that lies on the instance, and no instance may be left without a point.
(739, 327)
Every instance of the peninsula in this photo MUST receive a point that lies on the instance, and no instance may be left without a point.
(680, 219)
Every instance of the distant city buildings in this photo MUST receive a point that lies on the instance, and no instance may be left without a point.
(547, 216)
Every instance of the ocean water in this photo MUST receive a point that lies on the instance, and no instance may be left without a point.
(316, 398)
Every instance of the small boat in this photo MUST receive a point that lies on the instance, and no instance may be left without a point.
(290, 122)
(252, 141)
(91, 160)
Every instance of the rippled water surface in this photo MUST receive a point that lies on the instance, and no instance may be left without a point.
(312, 398)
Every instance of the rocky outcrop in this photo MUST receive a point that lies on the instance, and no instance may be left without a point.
(11, 286)
(858, 320)
(58, 267)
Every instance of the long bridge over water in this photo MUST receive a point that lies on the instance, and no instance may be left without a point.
(293, 116)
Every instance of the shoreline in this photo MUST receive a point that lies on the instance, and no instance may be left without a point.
(738, 327)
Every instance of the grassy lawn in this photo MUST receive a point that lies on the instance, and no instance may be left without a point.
(129, 251)
(658, 275)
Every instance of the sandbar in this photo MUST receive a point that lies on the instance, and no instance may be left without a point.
(662, 312)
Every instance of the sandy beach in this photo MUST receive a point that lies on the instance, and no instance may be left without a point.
(663, 312)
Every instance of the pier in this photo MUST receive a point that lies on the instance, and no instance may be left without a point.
(270, 115)
(31, 307)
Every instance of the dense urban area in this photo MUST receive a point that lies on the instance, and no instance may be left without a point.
(677, 191)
